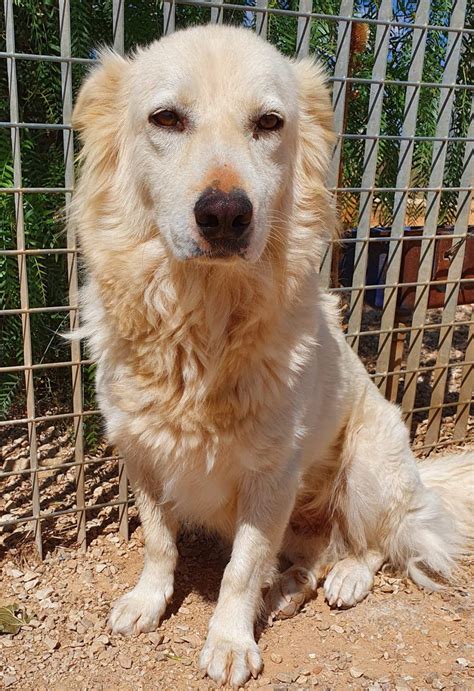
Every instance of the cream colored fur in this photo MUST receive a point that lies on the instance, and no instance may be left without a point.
(227, 385)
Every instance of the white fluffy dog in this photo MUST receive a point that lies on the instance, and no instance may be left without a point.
(223, 375)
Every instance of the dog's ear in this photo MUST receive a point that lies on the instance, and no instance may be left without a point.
(100, 106)
(316, 138)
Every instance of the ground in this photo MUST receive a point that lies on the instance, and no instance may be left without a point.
(399, 638)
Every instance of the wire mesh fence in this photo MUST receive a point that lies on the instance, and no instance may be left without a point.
(402, 168)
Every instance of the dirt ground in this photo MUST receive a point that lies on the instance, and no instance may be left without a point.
(399, 638)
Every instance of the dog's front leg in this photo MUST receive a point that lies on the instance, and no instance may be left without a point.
(230, 654)
(142, 608)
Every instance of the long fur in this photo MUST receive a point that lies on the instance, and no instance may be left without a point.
(228, 386)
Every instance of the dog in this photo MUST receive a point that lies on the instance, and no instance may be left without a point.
(222, 372)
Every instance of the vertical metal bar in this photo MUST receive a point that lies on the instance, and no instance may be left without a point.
(261, 19)
(169, 16)
(466, 390)
(118, 23)
(73, 282)
(412, 97)
(382, 37)
(452, 291)
(118, 28)
(22, 272)
(217, 13)
(303, 33)
(453, 52)
(339, 98)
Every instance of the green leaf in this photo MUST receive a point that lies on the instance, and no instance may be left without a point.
(12, 618)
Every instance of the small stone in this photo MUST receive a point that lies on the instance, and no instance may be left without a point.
(124, 661)
(284, 677)
(355, 672)
(463, 662)
(29, 585)
(100, 567)
(317, 669)
(29, 576)
(43, 592)
(103, 639)
(411, 660)
(312, 656)
(155, 638)
(276, 658)
(15, 573)
(9, 680)
(51, 643)
(193, 640)
(337, 628)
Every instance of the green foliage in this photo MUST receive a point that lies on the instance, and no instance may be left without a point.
(39, 90)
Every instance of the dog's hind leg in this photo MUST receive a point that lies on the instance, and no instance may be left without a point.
(350, 580)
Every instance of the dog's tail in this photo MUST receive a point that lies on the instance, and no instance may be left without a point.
(439, 526)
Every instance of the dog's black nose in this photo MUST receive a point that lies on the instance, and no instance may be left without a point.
(223, 215)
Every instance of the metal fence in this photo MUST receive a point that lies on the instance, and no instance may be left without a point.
(406, 323)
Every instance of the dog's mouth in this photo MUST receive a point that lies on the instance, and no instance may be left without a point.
(221, 249)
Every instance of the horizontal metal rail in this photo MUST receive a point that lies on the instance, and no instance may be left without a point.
(37, 310)
(59, 468)
(45, 516)
(48, 418)
(349, 136)
(343, 240)
(64, 190)
(43, 366)
(325, 17)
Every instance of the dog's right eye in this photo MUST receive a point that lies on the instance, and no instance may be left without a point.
(166, 118)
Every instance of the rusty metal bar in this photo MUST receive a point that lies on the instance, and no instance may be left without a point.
(22, 272)
(453, 53)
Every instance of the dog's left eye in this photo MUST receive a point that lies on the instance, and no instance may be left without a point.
(166, 118)
(269, 122)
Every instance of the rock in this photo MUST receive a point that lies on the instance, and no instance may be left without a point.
(156, 638)
(275, 657)
(192, 638)
(9, 680)
(44, 592)
(103, 639)
(285, 678)
(125, 661)
(355, 672)
(337, 629)
(463, 662)
(51, 643)
(29, 585)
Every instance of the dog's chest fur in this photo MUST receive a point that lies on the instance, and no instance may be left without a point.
(196, 405)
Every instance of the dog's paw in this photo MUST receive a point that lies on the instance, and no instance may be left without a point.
(348, 582)
(228, 660)
(139, 611)
(289, 593)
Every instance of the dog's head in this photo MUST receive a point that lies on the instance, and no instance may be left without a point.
(212, 136)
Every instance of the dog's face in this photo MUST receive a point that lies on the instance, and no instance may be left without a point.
(206, 126)
(214, 133)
